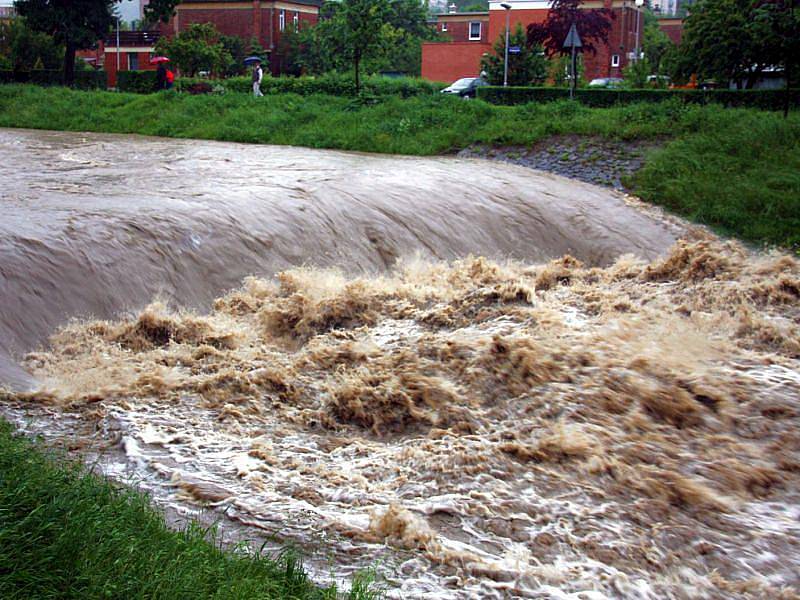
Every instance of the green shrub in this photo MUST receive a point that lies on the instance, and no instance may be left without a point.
(599, 98)
(84, 80)
(137, 82)
(332, 84)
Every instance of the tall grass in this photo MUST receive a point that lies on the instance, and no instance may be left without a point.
(733, 169)
(66, 533)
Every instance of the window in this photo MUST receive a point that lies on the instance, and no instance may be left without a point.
(296, 20)
(475, 30)
(133, 61)
(281, 20)
(444, 26)
(615, 60)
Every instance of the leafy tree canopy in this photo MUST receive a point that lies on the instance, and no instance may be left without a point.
(160, 10)
(199, 48)
(735, 40)
(594, 26)
(22, 48)
(529, 67)
(362, 34)
(75, 24)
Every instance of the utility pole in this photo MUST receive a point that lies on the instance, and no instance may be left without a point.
(507, 8)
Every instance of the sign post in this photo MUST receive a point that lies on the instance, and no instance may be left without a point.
(507, 8)
(573, 42)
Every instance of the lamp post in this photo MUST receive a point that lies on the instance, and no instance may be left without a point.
(639, 5)
(507, 8)
(118, 17)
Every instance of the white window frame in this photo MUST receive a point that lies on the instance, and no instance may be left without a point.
(444, 26)
(296, 20)
(281, 19)
(472, 38)
(615, 60)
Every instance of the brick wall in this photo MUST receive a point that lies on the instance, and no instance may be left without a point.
(448, 61)
(257, 19)
(458, 30)
(673, 28)
(142, 54)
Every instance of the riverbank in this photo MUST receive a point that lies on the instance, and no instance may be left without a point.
(736, 170)
(65, 532)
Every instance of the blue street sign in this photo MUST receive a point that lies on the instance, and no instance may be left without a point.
(514, 50)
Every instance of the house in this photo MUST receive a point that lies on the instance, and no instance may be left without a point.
(672, 26)
(134, 52)
(7, 10)
(460, 56)
(264, 20)
(450, 60)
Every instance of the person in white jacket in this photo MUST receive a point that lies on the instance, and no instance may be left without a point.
(258, 75)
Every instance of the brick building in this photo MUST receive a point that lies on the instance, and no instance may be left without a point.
(461, 55)
(673, 27)
(135, 50)
(447, 61)
(264, 20)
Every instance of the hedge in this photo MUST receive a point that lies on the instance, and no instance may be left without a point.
(137, 82)
(764, 99)
(84, 80)
(332, 84)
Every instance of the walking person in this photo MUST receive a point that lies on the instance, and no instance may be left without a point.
(258, 75)
(161, 77)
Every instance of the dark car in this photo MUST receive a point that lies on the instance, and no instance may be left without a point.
(466, 87)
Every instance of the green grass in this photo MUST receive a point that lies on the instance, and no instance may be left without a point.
(66, 533)
(733, 169)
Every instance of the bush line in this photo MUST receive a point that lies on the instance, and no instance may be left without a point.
(598, 98)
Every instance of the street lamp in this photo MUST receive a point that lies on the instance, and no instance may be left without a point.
(118, 16)
(639, 5)
(507, 8)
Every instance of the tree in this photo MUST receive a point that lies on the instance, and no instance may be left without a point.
(198, 48)
(777, 24)
(469, 5)
(594, 26)
(378, 34)
(22, 48)
(655, 43)
(160, 10)
(235, 47)
(636, 73)
(735, 40)
(526, 68)
(357, 26)
(75, 24)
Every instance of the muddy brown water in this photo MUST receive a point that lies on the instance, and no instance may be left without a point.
(94, 225)
(480, 380)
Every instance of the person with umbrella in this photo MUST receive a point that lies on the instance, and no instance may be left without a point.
(164, 78)
(258, 74)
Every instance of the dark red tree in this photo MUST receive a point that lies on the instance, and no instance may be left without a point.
(593, 26)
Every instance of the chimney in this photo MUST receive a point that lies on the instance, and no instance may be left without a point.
(452, 8)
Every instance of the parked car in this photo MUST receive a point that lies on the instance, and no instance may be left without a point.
(606, 82)
(658, 81)
(466, 87)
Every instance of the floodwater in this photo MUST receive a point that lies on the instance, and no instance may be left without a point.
(479, 380)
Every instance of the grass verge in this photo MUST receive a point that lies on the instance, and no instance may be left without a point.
(67, 533)
(737, 170)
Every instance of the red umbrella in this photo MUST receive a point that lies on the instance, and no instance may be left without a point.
(158, 59)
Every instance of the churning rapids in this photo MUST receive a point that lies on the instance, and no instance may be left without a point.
(482, 381)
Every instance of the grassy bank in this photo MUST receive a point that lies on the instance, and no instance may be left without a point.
(734, 169)
(65, 533)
